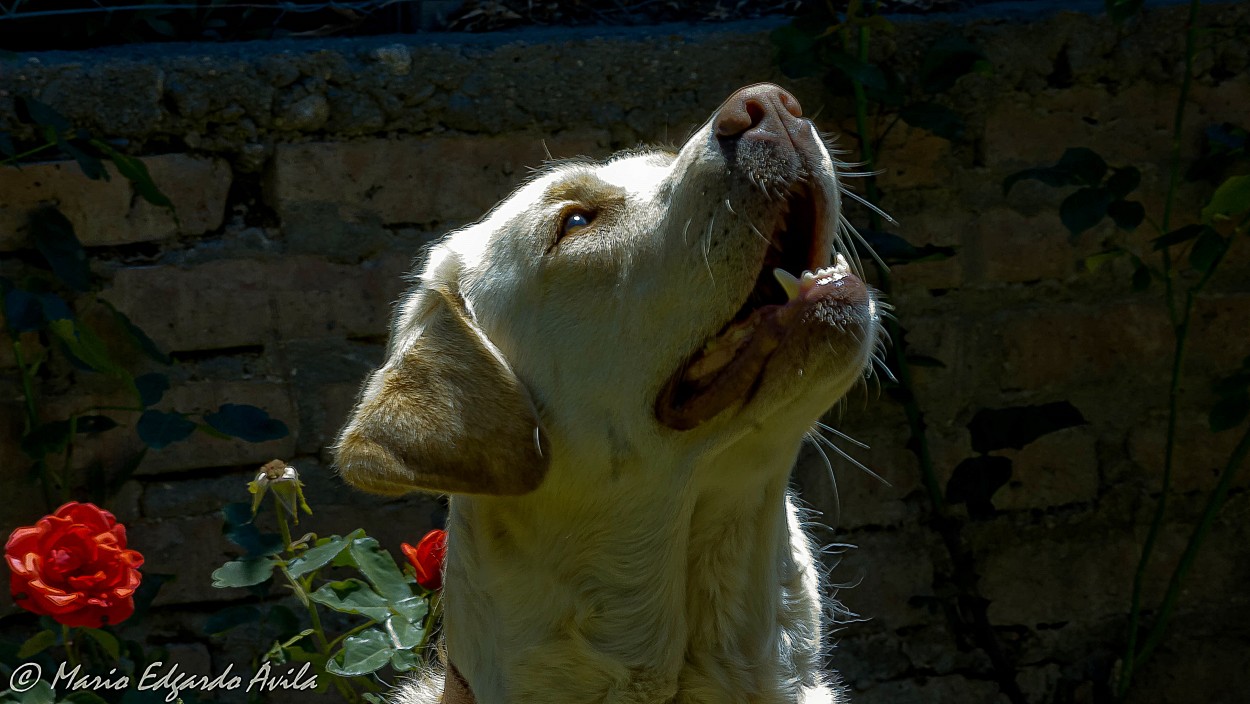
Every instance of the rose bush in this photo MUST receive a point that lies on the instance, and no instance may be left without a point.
(427, 558)
(73, 566)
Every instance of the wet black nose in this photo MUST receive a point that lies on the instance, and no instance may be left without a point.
(762, 113)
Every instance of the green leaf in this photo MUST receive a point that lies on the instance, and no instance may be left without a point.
(948, 60)
(135, 171)
(1126, 214)
(139, 338)
(1094, 261)
(413, 609)
(1178, 236)
(1084, 164)
(1229, 412)
(1231, 200)
(159, 429)
(379, 568)
(88, 162)
(94, 424)
(1121, 10)
(352, 596)
(147, 591)
(247, 423)
(32, 111)
(85, 345)
(231, 617)
(1085, 208)
(256, 543)
(402, 633)
(1207, 250)
(237, 513)
(152, 388)
(41, 693)
(405, 660)
(1123, 181)
(317, 557)
(1223, 145)
(46, 439)
(938, 119)
(796, 54)
(244, 573)
(22, 310)
(361, 654)
(37, 643)
(53, 235)
(867, 75)
(107, 641)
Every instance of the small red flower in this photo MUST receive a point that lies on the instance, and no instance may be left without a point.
(427, 558)
(74, 566)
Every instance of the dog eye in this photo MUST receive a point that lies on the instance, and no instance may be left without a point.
(574, 222)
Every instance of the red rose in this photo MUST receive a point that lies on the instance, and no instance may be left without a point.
(74, 567)
(427, 558)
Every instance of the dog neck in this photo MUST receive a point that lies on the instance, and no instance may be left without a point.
(695, 580)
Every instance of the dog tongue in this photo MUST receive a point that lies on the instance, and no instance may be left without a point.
(728, 367)
(726, 370)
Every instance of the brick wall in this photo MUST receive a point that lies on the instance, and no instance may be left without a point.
(308, 176)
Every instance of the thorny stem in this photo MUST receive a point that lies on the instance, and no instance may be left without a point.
(1180, 326)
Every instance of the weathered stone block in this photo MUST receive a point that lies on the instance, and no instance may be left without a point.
(107, 212)
(1198, 458)
(190, 548)
(1006, 246)
(437, 179)
(1056, 469)
(241, 302)
(952, 689)
(885, 586)
(1062, 346)
(913, 158)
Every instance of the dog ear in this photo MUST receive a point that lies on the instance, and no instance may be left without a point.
(444, 414)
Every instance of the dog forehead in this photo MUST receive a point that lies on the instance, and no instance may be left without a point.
(636, 172)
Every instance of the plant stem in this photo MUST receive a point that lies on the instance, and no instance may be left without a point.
(12, 161)
(1180, 326)
(1214, 502)
(67, 640)
(971, 606)
(32, 419)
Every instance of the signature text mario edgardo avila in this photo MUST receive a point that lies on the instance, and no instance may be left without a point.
(157, 676)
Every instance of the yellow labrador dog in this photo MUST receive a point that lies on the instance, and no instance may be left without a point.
(612, 373)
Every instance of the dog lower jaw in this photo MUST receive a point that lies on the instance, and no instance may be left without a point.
(712, 599)
(727, 370)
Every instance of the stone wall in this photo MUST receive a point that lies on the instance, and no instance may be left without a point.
(307, 176)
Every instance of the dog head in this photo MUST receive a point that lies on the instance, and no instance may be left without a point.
(656, 301)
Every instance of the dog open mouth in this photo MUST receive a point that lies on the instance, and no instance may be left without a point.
(800, 283)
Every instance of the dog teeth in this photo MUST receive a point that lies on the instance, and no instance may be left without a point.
(788, 282)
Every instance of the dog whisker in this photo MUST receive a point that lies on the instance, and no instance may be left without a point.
(846, 456)
(830, 429)
(833, 480)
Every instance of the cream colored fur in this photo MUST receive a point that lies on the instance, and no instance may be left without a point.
(607, 558)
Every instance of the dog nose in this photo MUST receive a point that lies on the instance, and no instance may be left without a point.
(762, 112)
